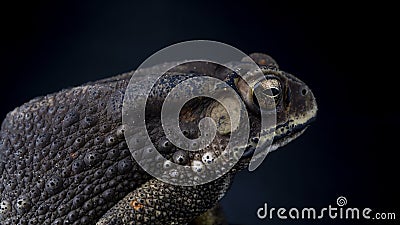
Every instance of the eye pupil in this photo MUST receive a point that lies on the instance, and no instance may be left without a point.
(275, 91)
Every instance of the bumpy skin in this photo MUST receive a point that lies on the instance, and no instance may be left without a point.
(64, 159)
(166, 204)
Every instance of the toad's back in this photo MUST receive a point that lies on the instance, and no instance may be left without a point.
(63, 156)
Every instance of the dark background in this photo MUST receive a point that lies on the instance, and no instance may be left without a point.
(342, 52)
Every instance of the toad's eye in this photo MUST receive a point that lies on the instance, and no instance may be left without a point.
(265, 94)
(267, 90)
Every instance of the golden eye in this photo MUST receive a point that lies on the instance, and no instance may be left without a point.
(265, 93)
(267, 90)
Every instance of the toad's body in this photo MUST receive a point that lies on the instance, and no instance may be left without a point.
(64, 159)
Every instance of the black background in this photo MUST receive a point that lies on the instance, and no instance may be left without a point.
(343, 52)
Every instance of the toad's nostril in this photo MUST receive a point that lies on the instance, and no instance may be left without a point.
(304, 91)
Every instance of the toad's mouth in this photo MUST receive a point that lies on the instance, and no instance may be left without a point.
(280, 139)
